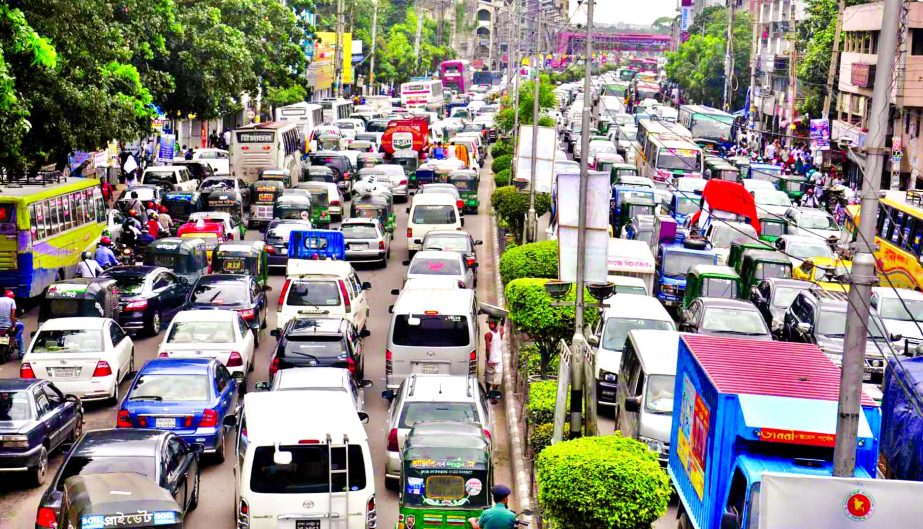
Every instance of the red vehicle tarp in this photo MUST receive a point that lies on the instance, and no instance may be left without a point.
(721, 195)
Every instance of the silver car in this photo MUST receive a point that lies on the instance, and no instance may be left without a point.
(399, 181)
(321, 379)
(366, 241)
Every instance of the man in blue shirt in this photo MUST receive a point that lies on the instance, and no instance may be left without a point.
(104, 255)
(499, 516)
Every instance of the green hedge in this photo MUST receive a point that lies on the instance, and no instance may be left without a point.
(502, 179)
(501, 162)
(608, 482)
(537, 259)
(542, 396)
(511, 206)
(501, 148)
(540, 437)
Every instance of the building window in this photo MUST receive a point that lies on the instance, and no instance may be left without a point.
(916, 42)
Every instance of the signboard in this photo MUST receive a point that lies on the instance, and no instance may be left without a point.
(597, 226)
(897, 152)
(862, 75)
(167, 147)
(547, 146)
(259, 136)
(329, 39)
(820, 133)
(685, 18)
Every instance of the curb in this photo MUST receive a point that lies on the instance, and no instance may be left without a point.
(523, 491)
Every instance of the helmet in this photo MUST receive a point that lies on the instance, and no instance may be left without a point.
(105, 241)
(151, 205)
(10, 294)
(86, 255)
(163, 209)
(132, 213)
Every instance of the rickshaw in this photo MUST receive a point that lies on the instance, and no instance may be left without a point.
(320, 203)
(446, 475)
(227, 202)
(409, 159)
(621, 169)
(117, 500)
(771, 227)
(293, 207)
(181, 204)
(758, 265)
(242, 257)
(369, 159)
(374, 207)
(467, 184)
(264, 193)
(822, 270)
(710, 281)
(765, 171)
(722, 170)
(95, 297)
(278, 175)
(212, 232)
(605, 161)
(793, 185)
(184, 256)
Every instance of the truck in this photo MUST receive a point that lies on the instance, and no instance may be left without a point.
(901, 423)
(408, 133)
(739, 410)
(631, 258)
(837, 502)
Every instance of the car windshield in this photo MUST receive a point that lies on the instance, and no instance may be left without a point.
(719, 287)
(14, 406)
(658, 398)
(70, 341)
(784, 297)
(771, 228)
(892, 309)
(433, 215)
(446, 243)
(832, 324)
(431, 330)
(359, 231)
(158, 176)
(218, 183)
(316, 346)
(677, 264)
(282, 232)
(221, 293)
(435, 266)
(772, 198)
(616, 330)
(803, 250)
(817, 221)
(733, 321)
(311, 470)
(687, 205)
(201, 332)
(415, 412)
(81, 465)
(313, 294)
(723, 236)
(679, 159)
(170, 388)
(768, 270)
(630, 289)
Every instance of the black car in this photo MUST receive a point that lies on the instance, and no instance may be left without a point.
(318, 342)
(161, 456)
(241, 293)
(731, 318)
(338, 162)
(774, 296)
(277, 236)
(35, 419)
(149, 296)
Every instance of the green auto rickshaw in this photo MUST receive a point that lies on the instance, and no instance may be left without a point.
(742, 163)
(606, 160)
(263, 195)
(793, 185)
(279, 175)
(771, 227)
(721, 170)
(369, 159)
(758, 265)
(242, 257)
(374, 207)
(631, 207)
(621, 169)
(293, 206)
(467, 184)
(409, 159)
(96, 297)
(229, 202)
(710, 281)
(736, 253)
(320, 203)
(446, 475)
(186, 257)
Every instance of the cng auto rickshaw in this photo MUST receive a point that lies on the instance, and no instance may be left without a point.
(446, 475)
(793, 185)
(369, 159)
(227, 202)
(81, 296)
(711, 281)
(425, 174)
(721, 170)
(277, 174)
(765, 171)
(318, 173)
(181, 204)
(409, 159)
(242, 257)
(212, 232)
(185, 257)
(605, 161)
(467, 185)
(320, 203)
(771, 227)
(621, 169)
(742, 163)
(374, 207)
(117, 500)
(264, 193)
(758, 265)
(736, 252)
(293, 207)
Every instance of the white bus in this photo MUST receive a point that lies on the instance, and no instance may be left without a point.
(425, 94)
(306, 115)
(270, 145)
(666, 157)
(335, 109)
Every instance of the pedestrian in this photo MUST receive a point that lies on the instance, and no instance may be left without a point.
(213, 139)
(189, 154)
(499, 516)
(88, 267)
(809, 200)
(493, 342)
(106, 190)
(226, 139)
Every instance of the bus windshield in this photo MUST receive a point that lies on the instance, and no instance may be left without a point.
(712, 127)
(679, 159)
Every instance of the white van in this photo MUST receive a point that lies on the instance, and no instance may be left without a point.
(170, 177)
(325, 289)
(290, 450)
(644, 402)
(626, 312)
(428, 212)
(432, 331)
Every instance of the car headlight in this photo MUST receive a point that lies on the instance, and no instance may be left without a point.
(653, 444)
(606, 376)
(875, 362)
(14, 441)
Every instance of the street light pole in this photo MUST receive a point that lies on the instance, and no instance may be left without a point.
(531, 217)
(374, 37)
(516, 97)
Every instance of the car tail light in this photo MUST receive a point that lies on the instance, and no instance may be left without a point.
(102, 369)
(470, 261)
(392, 440)
(351, 365)
(409, 233)
(473, 363)
(247, 314)
(25, 370)
(270, 249)
(346, 303)
(274, 367)
(403, 182)
(243, 515)
(187, 421)
(487, 434)
(235, 360)
(123, 420)
(46, 518)
(335, 203)
(381, 245)
(164, 354)
(371, 514)
(210, 419)
(284, 293)
(389, 368)
(346, 175)
(460, 203)
(139, 305)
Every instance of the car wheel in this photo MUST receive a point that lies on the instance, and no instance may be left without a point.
(36, 476)
(114, 399)
(77, 432)
(194, 502)
(256, 340)
(264, 324)
(131, 364)
(219, 451)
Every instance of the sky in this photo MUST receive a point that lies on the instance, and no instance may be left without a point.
(626, 11)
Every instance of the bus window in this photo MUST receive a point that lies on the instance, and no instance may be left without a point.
(67, 219)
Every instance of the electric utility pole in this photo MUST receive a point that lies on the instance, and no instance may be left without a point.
(372, 90)
(863, 263)
(515, 81)
(792, 71)
(338, 56)
(754, 60)
(729, 59)
(833, 58)
(531, 217)
(418, 11)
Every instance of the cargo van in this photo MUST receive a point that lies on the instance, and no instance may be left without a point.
(433, 331)
(301, 465)
(644, 400)
(428, 212)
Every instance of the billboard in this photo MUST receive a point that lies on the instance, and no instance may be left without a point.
(328, 40)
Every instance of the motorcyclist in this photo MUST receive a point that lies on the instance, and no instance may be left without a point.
(499, 516)
(88, 267)
(153, 225)
(104, 254)
(8, 320)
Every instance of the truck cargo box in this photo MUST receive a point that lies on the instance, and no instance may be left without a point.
(901, 423)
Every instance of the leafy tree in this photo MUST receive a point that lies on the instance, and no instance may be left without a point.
(279, 97)
(608, 482)
(537, 259)
(662, 24)
(505, 119)
(814, 40)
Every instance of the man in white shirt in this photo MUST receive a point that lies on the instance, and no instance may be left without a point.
(88, 267)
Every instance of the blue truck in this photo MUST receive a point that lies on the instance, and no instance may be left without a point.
(742, 408)
(674, 260)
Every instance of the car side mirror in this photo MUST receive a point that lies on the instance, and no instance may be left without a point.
(183, 280)
(408, 210)
(274, 332)
(593, 340)
(267, 288)
(633, 404)
(395, 291)
(230, 421)
(365, 383)
(262, 386)
(803, 328)
(366, 285)
(365, 333)
(33, 333)
(390, 309)
(478, 242)
(388, 394)
(895, 337)
(462, 220)
(363, 417)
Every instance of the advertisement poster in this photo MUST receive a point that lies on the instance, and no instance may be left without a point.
(329, 39)
(693, 436)
(820, 133)
(897, 148)
(167, 147)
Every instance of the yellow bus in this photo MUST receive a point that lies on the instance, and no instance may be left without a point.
(899, 235)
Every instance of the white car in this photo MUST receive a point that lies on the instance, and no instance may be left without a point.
(399, 181)
(219, 334)
(86, 357)
(350, 127)
(327, 289)
(218, 159)
(170, 178)
(331, 379)
(901, 310)
(771, 201)
(812, 222)
(438, 263)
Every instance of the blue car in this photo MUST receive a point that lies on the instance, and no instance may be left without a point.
(35, 419)
(189, 397)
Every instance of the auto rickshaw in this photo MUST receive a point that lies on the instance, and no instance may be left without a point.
(467, 185)
(369, 159)
(227, 202)
(446, 475)
(425, 174)
(621, 169)
(279, 175)
(318, 173)
(184, 256)
(736, 252)
(320, 203)
(293, 207)
(721, 170)
(765, 171)
(793, 185)
(605, 161)
(409, 159)
(374, 207)
(822, 270)
(264, 193)
(117, 500)
(81, 296)
(742, 163)
(771, 227)
(758, 265)
(211, 231)
(242, 257)
(709, 146)
(181, 204)
(711, 281)
(619, 214)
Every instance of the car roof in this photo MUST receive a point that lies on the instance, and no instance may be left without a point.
(436, 254)
(224, 278)
(430, 283)
(314, 377)
(905, 293)
(78, 323)
(429, 199)
(18, 384)
(453, 302)
(328, 268)
(439, 388)
(788, 282)
(727, 304)
(314, 325)
(133, 270)
(179, 366)
(447, 233)
(205, 315)
(802, 238)
(657, 350)
(282, 417)
(120, 442)
(164, 168)
(636, 305)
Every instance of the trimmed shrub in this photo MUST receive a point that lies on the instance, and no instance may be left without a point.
(609, 482)
(540, 437)
(502, 179)
(542, 395)
(500, 163)
(537, 259)
(501, 148)
(511, 207)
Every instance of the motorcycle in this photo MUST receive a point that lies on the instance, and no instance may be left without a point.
(129, 257)
(8, 347)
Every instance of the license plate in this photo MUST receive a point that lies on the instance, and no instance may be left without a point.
(358, 246)
(4, 340)
(431, 369)
(168, 422)
(307, 524)
(232, 265)
(64, 371)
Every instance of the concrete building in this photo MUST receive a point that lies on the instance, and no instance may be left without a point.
(773, 95)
